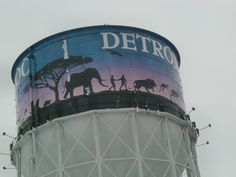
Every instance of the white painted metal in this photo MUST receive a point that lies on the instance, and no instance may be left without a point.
(109, 143)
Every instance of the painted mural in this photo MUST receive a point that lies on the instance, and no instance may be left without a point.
(95, 62)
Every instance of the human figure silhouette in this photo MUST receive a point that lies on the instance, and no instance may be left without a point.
(65, 48)
(123, 82)
(113, 83)
(37, 104)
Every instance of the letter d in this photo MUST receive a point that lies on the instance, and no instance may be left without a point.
(106, 44)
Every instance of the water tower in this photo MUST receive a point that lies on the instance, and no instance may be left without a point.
(102, 101)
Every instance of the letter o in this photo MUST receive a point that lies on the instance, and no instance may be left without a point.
(22, 67)
(168, 55)
(176, 65)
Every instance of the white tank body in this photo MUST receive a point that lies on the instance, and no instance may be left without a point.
(108, 143)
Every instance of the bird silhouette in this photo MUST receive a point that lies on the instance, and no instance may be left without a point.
(113, 52)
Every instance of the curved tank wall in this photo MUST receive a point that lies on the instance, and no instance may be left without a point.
(108, 143)
(96, 68)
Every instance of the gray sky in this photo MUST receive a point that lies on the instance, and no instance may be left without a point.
(202, 30)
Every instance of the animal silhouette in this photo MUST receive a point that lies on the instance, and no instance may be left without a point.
(174, 95)
(83, 79)
(46, 103)
(147, 84)
(163, 86)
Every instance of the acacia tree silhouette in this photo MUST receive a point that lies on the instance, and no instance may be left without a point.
(50, 75)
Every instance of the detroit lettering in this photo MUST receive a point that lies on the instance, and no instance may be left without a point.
(128, 41)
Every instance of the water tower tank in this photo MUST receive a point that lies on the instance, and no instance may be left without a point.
(102, 101)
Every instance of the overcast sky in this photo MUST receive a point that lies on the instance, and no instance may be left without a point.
(204, 32)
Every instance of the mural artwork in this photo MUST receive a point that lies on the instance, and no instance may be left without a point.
(79, 66)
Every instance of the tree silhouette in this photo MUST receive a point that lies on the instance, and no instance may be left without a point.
(50, 75)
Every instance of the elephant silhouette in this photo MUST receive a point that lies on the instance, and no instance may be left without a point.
(83, 79)
(147, 84)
